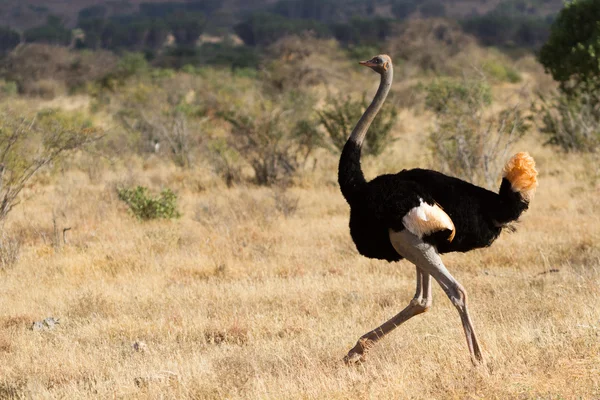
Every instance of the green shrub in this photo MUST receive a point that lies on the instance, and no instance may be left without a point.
(466, 140)
(444, 94)
(145, 207)
(275, 135)
(501, 72)
(8, 88)
(341, 117)
(31, 142)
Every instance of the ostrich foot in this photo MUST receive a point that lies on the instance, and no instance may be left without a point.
(358, 354)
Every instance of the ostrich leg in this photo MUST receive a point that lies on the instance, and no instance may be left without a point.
(426, 257)
(419, 304)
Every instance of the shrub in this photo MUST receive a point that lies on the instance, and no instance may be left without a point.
(571, 119)
(433, 45)
(145, 207)
(8, 88)
(130, 64)
(301, 61)
(571, 122)
(572, 53)
(465, 141)
(501, 72)
(28, 144)
(225, 161)
(275, 136)
(341, 117)
(31, 65)
(165, 113)
(443, 94)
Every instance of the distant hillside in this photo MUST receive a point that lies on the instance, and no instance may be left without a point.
(23, 14)
(236, 32)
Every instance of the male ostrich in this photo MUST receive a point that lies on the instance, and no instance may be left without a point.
(418, 214)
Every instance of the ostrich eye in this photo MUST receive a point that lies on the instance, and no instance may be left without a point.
(377, 61)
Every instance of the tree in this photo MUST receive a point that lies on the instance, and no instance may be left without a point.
(264, 29)
(54, 32)
(186, 27)
(571, 119)
(9, 39)
(572, 53)
(29, 144)
(404, 8)
(432, 9)
(321, 10)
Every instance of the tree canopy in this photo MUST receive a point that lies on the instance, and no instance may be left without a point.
(572, 53)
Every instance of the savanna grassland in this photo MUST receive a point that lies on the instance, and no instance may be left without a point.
(256, 289)
(237, 300)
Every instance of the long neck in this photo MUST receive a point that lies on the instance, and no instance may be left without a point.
(350, 175)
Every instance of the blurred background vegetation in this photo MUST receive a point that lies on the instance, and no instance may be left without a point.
(255, 91)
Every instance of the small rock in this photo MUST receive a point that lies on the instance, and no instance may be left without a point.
(51, 322)
(140, 346)
(48, 323)
(37, 326)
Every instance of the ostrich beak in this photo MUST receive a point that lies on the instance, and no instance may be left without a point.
(368, 63)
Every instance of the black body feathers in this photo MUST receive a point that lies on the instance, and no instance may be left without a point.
(381, 204)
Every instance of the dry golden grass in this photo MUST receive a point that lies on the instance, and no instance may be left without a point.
(236, 300)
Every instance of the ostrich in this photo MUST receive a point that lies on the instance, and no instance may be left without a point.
(418, 214)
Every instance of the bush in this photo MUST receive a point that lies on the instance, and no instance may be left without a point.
(342, 116)
(443, 95)
(501, 72)
(225, 161)
(433, 45)
(8, 88)
(572, 53)
(28, 144)
(571, 119)
(301, 61)
(275, 136)
(33, 64)
(165, 114)
(571, 122)
(145, 207)
(465, 142)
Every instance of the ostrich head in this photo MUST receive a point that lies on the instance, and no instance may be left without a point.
(380, 64)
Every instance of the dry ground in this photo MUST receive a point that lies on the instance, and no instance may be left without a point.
(237, 300)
